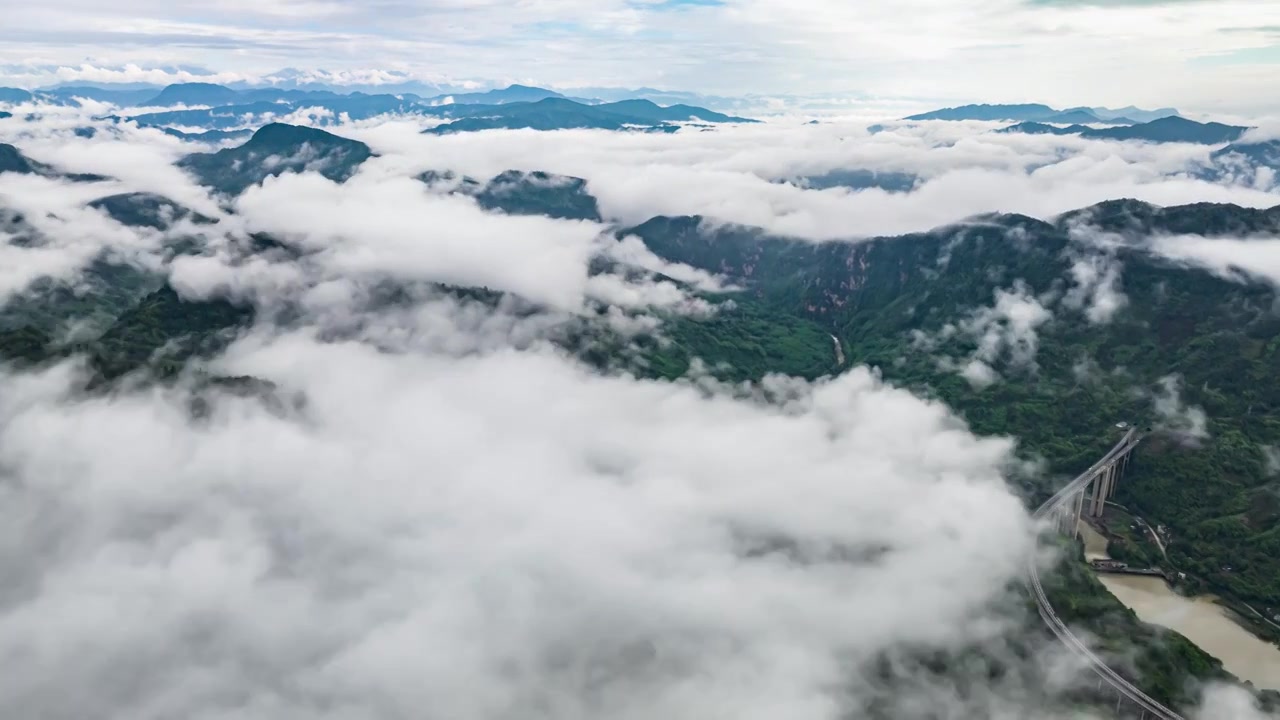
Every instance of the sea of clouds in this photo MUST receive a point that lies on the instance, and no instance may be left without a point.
(445, 516)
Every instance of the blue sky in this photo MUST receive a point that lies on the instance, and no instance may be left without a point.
(1198, 53)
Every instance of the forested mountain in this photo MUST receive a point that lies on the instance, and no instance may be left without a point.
(555, 113)
(1113, 312)
(273, 150)
(194, 94)
(146, 210)
(1169, 129)
(207, 112)
(1036, 112)
(520, 193)
(1048, 331)
(1025, 111)
(858, 179)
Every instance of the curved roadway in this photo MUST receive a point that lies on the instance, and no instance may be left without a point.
(1059, 628)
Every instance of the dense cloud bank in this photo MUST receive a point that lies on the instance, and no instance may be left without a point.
(502, 536)
(438, 513)
(731, 175)
(754, 175)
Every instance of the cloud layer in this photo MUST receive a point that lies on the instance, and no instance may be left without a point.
(501, 537)
(437, 511)
(730, 175)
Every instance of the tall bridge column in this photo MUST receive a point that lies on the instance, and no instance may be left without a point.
(1103, 485)
(1104, 489)
(1066, 521)
(1077, 506)
(1098, 492)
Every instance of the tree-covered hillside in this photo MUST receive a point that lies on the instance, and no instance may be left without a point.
(1123, 329)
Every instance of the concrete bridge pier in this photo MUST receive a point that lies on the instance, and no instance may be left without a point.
(1103, 485)
(1092, 494)
(1078, 504)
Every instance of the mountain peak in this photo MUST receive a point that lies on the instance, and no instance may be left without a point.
(637, 103)
(278, 135)
(1043, 113)
(1166, 129)
(201, 86)
(1173, 121)
(275, 149)
(1017, 112)
(194, 94)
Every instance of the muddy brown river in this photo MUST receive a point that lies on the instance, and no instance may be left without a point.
(1200, 619)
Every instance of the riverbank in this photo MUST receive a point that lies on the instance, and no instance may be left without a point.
(1134, 541)
(1202, 619)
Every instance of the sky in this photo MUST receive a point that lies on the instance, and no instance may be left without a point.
(1202, 54)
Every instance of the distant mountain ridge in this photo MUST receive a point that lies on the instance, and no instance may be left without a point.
(1168, 129)
(516, 192)
(1036, 112)
(293, 84)
(509, 94)
(194, 94)
(1133, 114)
(213, 97)
(204, 111)
(564, 114)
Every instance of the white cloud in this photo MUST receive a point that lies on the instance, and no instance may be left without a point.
(1232, 258)
(127, 73)
(979, 374)
(396, 227)
(1006, 331)
(1271, 458)
(726, 174)
(1008, 328)
(1097, 287)
(1186, 421)
(58, 235)
(1095, 273)
(632, 251)
(1225, 701)
(579, 546)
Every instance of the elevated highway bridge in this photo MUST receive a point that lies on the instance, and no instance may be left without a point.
(1088, 492)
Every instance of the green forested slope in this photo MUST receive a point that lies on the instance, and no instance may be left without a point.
(1216, 340)
(1219, 336)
